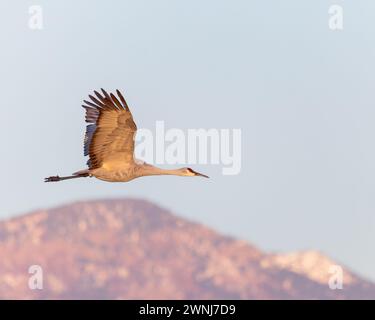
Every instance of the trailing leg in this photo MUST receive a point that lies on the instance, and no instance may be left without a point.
(57, 178)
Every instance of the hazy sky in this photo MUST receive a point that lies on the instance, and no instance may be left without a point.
(302, 94)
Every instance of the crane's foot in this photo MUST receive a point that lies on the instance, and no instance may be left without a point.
(52, 179)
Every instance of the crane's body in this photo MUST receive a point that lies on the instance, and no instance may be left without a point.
(115, 172)
(109, 142)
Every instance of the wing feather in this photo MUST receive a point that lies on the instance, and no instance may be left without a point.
(110, 135)
(100, 97)
(124, 104)
(108, 100)
(117, 103)
(99, 103)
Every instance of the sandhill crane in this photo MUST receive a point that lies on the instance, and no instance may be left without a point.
(109, 143)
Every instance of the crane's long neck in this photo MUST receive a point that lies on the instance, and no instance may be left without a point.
(149, 170)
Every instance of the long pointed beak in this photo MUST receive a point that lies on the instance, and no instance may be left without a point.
(201, 175)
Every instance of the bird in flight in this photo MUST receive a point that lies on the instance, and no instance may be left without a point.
(109, 143)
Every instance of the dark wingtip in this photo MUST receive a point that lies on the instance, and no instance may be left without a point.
(97, 93)
(104, 92)
(122, 99)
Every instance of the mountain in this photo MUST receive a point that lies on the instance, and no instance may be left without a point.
(133, 249)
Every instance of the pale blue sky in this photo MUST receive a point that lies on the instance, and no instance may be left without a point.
(302, 94)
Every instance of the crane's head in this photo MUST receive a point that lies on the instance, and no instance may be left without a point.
(191, 173)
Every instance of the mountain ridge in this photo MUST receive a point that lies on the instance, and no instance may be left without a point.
(134, 249)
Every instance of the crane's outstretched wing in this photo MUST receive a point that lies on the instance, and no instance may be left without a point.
(110, 134)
